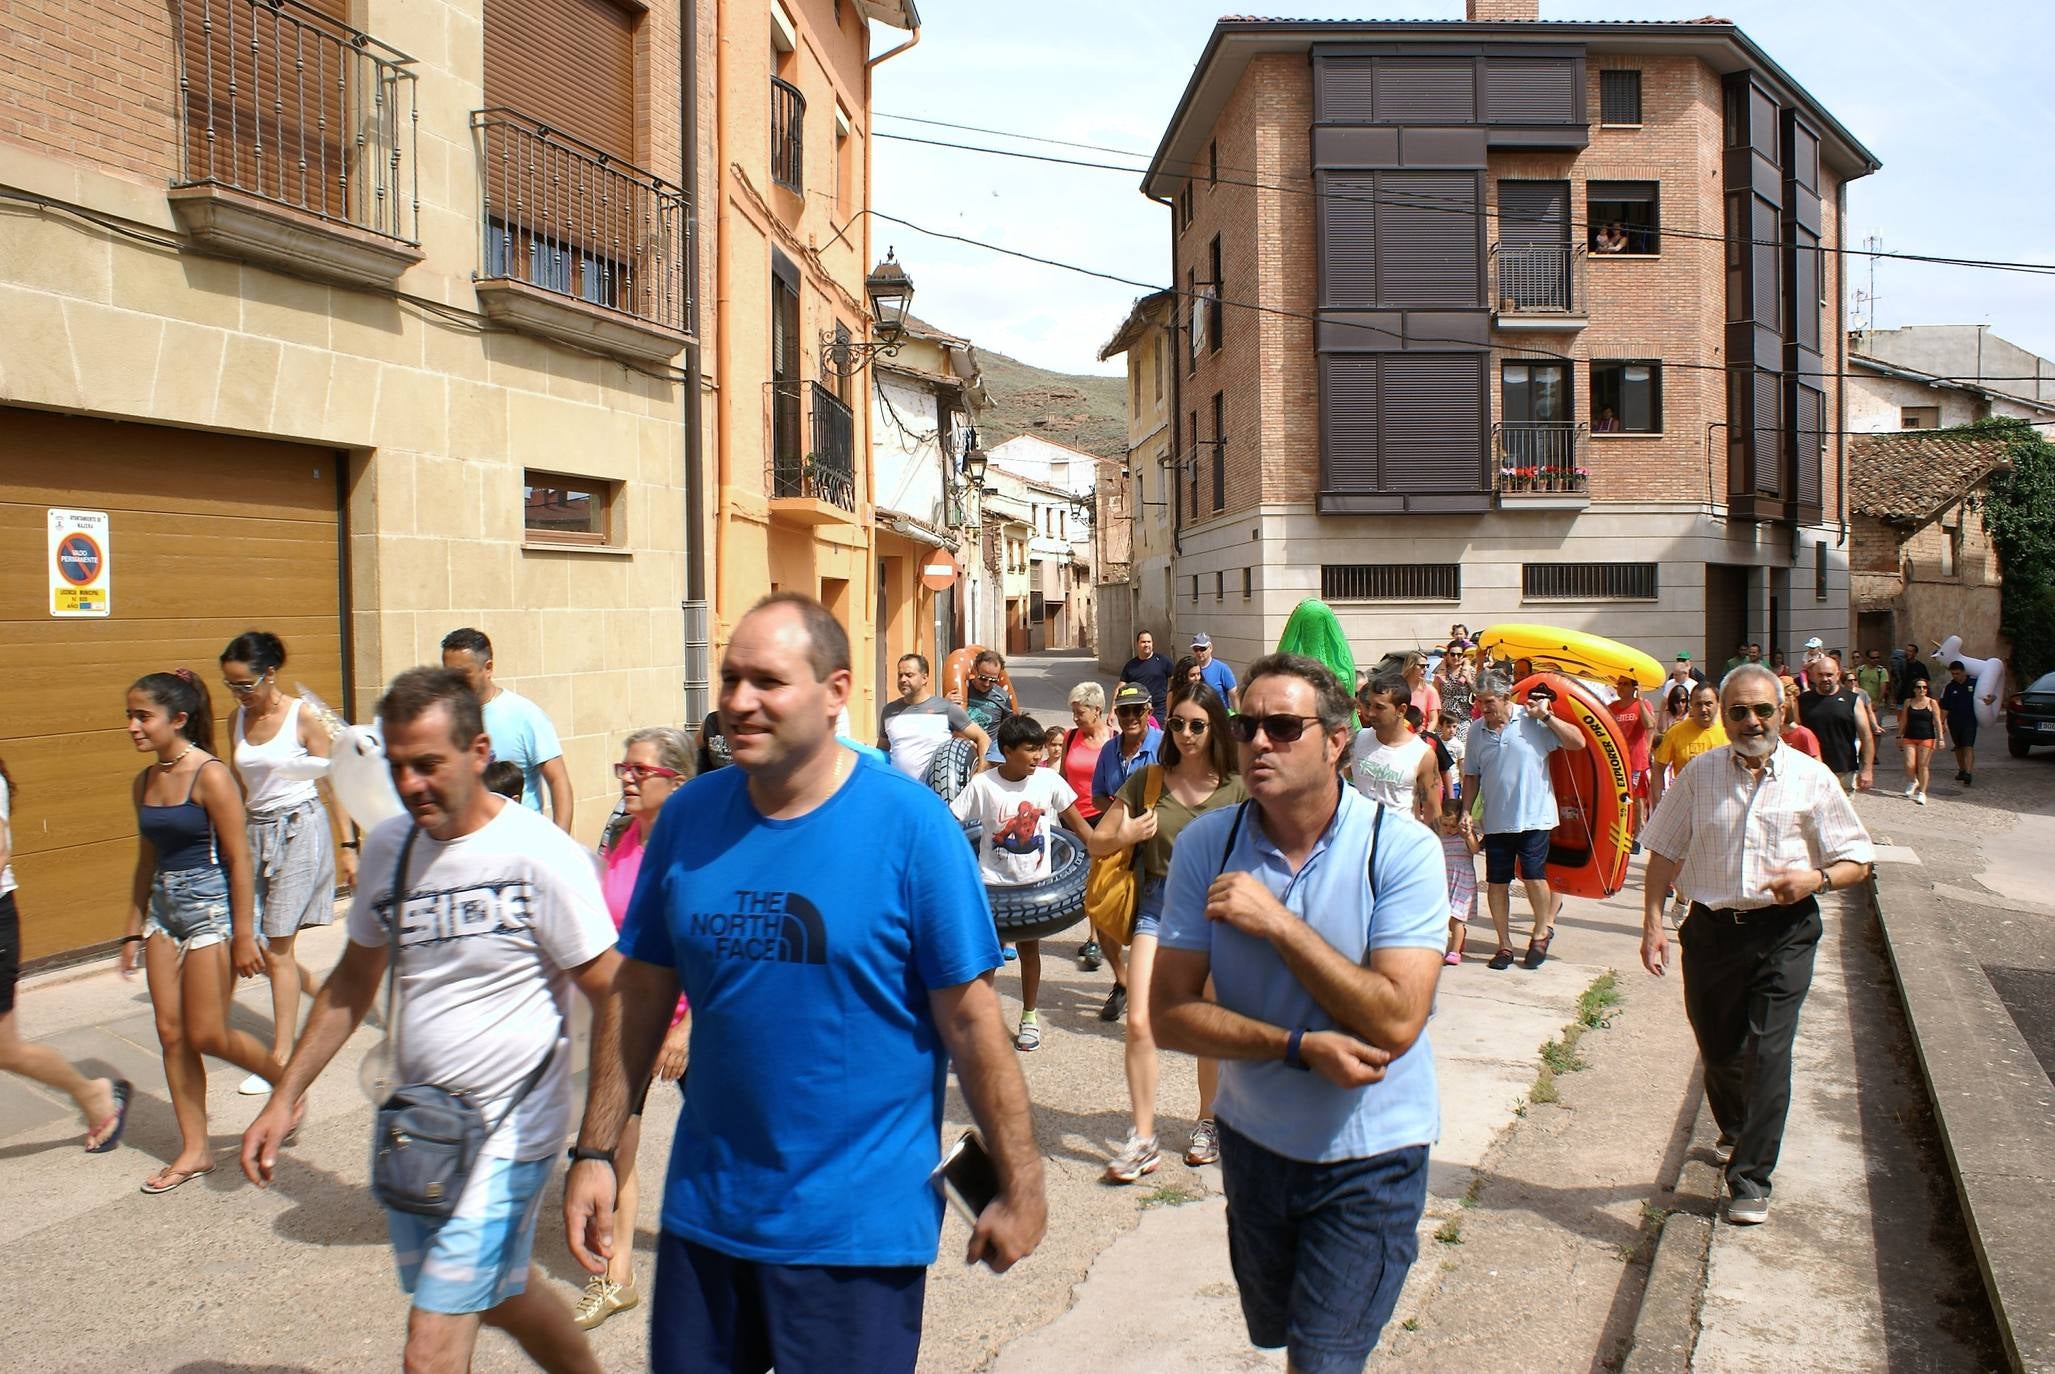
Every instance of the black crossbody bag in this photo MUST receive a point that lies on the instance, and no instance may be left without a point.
(426, 1139)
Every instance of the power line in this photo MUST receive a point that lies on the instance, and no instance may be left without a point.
(1475, 212)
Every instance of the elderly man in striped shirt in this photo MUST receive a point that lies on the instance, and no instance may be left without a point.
(1750, 833)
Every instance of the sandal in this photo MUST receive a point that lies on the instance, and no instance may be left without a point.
(178, 1177)
(108, 1132)
(1537, 950)
(1501, 960)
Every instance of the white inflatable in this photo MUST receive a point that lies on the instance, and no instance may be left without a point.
(1987, 674)
(357, 772)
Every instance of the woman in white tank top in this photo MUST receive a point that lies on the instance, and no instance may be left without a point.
(280, 751)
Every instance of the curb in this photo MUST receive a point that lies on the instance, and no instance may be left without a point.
(1666, 1328)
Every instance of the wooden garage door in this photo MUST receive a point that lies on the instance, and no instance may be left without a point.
(208, 536)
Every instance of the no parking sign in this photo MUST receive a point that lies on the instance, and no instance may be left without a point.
(81, 564)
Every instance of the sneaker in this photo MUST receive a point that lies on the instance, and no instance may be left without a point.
(1961, 776)
(1910, 788)
(602, 1298)
(1029, 1036)
(1205, 1146)
(1723, 1148)
(1920, 798)
(1139, 1157)
(1116, 1003)
(1010, 952)
(1501, 960)
(1748, 1211)
(256, 1085)
(1089, 958)
(1968, 779)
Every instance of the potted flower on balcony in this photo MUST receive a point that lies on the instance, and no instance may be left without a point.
(1580, 479)
(1508, 478)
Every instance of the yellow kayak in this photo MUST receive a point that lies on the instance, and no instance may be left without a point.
(1573, 652)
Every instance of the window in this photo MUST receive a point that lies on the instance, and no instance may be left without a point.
(1248, 583)
(788, 136)
(1919, 417)
(1197, 315)
(1623, 217)
(1195, 589)
(1134, 392)
(845, 160)
(567, 510)
(1162, 365)
(1193, 463)
(1588, 581)
(1213, 163)
(1819, 571)
(787, 454)
(1220, 586)
(1391, 582)
(1619, 98)
(1214, 308)
(1219, 451)
(1626, 397)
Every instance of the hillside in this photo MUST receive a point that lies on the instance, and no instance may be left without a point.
(1083, 411)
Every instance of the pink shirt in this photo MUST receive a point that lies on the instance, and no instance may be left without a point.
(617, 884)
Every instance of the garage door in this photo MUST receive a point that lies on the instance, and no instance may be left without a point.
(207, 536)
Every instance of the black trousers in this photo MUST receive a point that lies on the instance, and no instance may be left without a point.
(1744, 982)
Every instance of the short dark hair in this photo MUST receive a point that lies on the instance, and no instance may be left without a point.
(1705, 687)
(1018, 729)
(471, 641)
(1390, 684)
(1954, 664)
(985, 656)
(921, 659)
(419, 690)
(261, 649)
(504, 777)
(827, 643)
(1335, 709)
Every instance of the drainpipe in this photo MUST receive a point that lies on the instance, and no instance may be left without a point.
(698, 627)
(723, 359)
(1176, 416)
(880, 59)
(1841, 367)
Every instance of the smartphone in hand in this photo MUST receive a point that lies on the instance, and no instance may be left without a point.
(966, 1176)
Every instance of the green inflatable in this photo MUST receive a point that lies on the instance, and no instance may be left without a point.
(1314, 632)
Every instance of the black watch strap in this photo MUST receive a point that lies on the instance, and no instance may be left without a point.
(578, 1152)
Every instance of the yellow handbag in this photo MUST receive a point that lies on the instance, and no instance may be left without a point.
(1112, 887)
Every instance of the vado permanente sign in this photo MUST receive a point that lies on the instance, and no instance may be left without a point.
(81, 564)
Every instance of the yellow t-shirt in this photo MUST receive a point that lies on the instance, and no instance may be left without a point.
(1688, 739)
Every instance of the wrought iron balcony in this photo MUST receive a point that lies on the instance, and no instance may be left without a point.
(1540, 459)
(826, 471)
(570, 219)
(788, 136)
(1537, 287)
(281, 106)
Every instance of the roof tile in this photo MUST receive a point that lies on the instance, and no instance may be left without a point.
(1912, 476)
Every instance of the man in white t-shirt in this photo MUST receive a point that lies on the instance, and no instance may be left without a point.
(1018, 804)
(520, 730)
(501, 915)
(912, 728)
(1388, 762)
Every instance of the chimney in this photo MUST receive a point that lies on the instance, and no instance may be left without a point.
(1489, 11)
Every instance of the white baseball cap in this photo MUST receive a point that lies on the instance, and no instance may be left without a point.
(1815, 643)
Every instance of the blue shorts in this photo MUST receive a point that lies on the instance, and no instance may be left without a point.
(713, 1312)
(1529, 848)
(478, 1258)
(1320, 1251)
(1149, 908)
(191, 906)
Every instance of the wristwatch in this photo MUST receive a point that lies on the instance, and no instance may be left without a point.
(1826, 881)
(578, 1152)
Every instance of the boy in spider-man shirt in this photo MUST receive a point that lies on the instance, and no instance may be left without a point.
(1017, 804)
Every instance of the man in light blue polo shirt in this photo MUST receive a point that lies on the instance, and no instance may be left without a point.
(1212, 671)
(1505, 760)
(1321, 918)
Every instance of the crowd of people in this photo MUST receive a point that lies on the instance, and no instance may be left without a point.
(1303, 852)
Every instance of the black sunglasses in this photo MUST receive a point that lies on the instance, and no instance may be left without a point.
(1280, 729)
(1179, 725)
(1761, 710)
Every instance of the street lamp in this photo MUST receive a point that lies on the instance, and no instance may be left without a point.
(890, 292)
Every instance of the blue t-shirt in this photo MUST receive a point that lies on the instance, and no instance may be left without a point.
(1511, 768)
(1112, 770)
(1288, 1111)
(1218, 676)
(808, 947)
(521, 734)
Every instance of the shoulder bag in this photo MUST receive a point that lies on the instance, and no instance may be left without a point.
(426, 1139)
(1113, 889)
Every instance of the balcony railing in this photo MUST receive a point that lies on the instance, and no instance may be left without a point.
(562, 215)
(281, 102)
(826, 471)
(1540, 458)
(788, 136)
(1541, 280)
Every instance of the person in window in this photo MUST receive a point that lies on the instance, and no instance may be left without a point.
(1607, 422)
(1611, 239)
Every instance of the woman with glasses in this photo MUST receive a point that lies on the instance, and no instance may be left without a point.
(1921, 731)
(1198, 775)
(655, 763)
(293, 851)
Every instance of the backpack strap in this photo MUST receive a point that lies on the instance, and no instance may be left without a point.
(1233, 833)
(1371, 868)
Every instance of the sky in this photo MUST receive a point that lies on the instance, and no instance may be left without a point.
(1957, 109)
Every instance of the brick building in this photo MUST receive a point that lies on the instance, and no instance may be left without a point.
(1458, 339)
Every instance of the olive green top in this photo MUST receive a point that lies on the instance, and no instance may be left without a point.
(1152, 857)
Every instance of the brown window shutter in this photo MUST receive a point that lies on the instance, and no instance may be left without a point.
(569, 64)
(272, 95)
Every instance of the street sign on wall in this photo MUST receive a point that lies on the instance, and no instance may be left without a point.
(81, 564)
(939, 570)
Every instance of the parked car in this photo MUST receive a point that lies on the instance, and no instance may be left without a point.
(2030, 716)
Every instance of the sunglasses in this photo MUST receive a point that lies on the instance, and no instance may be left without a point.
(1131, 712)
(242, 689)
(642, 773)
(1280, 729)
(1186, 727)
(1761, 710)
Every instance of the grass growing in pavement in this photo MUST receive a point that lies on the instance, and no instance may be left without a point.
(1410, 1324)
(1473, 1192)
(1598, 999)
(1559, 1056)
(1170, 1195)
(1450, 1232)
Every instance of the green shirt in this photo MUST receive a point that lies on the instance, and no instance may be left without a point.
(1152, 856)
(1874, 680)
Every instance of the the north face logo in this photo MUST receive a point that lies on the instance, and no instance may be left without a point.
(781, 926)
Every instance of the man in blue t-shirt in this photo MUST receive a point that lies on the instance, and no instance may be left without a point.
(1321, 917)
(519, 731)
(1135, 744)
(825, 918)
(1505, 762)
(1212, 671)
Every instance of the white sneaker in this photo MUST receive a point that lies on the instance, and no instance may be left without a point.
(1921, 799)
(256, 1085)
(1910, 789)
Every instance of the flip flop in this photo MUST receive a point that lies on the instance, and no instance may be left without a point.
(179, 1177)
(119, 1121)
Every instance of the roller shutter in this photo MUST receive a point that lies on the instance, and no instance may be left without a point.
(568, 63)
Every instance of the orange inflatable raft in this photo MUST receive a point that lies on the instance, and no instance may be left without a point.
(1587, 852)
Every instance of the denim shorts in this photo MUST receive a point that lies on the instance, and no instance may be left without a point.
(1320, 1251)
(477, 1258)
(191, 906)
(1149, 908)
(1527, 848)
